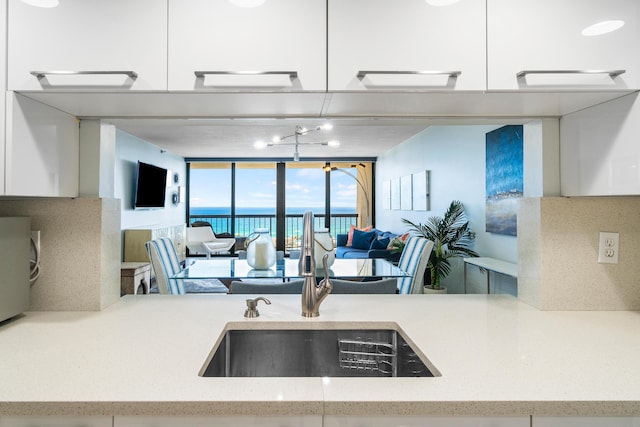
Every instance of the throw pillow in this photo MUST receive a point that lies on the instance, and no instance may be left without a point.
(362, 239)
(380, 243)
(350, 235)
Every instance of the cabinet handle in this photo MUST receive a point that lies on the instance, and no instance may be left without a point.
(452, 74)
(43, 74)
(291, 74)
(612, 73)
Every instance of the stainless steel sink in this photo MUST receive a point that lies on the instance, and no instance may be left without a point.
(316, 353)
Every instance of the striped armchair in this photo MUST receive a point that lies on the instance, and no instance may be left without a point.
(165, 263)
(414, 260)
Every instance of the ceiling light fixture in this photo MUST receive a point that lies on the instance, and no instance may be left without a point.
(299, 131)
(603, 27)
(360, 179)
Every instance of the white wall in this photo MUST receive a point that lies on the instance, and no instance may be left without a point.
(455, 155)
(129, 150)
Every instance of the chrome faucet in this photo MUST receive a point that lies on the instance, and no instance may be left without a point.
(312, 295)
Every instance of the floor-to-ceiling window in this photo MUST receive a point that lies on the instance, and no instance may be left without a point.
(255, 197)
(238, 197)
(210, 195)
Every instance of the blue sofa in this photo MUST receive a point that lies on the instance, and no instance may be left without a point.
(372, 251)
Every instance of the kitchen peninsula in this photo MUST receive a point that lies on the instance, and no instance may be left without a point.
(498, 358)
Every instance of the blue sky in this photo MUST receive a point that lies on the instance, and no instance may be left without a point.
(257, 188)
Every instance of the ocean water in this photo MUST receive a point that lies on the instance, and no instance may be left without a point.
(265, 218)
(265, 211)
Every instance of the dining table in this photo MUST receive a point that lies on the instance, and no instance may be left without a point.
(236, 269)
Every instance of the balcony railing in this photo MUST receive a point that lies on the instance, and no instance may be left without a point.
(245, 224)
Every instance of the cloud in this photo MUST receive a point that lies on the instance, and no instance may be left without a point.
(315, 173)
(291, 186)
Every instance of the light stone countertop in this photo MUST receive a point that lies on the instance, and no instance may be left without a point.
(497, 356)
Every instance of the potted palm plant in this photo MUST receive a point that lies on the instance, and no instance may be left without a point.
(452, 238)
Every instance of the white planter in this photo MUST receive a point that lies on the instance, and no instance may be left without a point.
(430, 290)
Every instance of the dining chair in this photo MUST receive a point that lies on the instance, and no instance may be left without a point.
(165, 264)
(292, 287)
(203, 240)
(383, 286)
(414, 260)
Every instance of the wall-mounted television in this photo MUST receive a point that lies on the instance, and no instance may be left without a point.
(151, 186)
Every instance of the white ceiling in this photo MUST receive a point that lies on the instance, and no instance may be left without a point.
(234, 138)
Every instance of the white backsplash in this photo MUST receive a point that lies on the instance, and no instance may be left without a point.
(558, 252)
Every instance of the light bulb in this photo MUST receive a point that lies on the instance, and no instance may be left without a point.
(327, 126)
(259, 144)
(603, 27)
(276, 139)
(333, 143)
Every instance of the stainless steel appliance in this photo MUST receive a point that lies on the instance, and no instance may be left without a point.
(15, 251)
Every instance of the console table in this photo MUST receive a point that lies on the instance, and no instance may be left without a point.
(133, 275)
(490, 264)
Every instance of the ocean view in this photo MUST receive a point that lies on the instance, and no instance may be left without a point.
(248, 219)
(266, 211)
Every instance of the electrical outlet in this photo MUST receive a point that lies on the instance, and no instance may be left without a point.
(608, 248)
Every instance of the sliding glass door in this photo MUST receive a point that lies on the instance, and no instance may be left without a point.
(238, 197)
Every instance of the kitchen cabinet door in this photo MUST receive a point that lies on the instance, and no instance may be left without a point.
(539, 45)
(42, 150)
(381, 45)
(56, 421)
(216, 45)
(599, 150)
(3, 79)
(121, 44)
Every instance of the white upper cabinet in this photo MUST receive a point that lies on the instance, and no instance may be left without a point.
(380, 45)
(118, 45)
(42, 150)
(219, 45)
(3, 79)
(599, 150)
(539, 45)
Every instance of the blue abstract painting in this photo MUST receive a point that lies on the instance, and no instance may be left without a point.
(505, 178)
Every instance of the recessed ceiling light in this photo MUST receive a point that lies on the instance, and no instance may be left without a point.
(247, 3)
(441, 2)
(42, 3)
(259, 145)
(603, 27)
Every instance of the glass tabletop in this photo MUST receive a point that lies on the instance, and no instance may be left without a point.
(233, 268)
